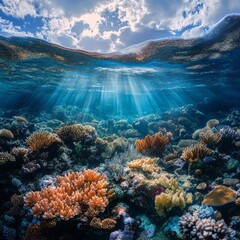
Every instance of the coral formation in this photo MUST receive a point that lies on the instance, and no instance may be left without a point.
(41, 140)
(145, 164)
(77, 132)
(219, 196)
(6, 134)
(6, 157)
(153, 145)
(193, 227)
(196, 152)
(75, 193)
(210, 138)
(172, 196)
(107, 223)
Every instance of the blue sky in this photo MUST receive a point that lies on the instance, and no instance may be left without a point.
(110, 25)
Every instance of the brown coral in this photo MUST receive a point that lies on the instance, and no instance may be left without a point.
(40, 140)
(6, 157)
(145, 164)
(196, 152)
(75, 193)
(219, 196)
(76, 132)
(107, 223)
(153, 145)
(210, 138)
(19, 152)
(6, 134)
(34, 232)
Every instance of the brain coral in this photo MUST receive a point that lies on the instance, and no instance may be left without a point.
(77, 132)
(75, 193)
(6, 134)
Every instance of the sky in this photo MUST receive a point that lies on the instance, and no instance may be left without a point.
(110, 25)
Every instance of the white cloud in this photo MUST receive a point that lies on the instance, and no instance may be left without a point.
(108, 25)
(18, 8)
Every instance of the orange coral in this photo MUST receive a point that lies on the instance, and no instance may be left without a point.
(75, 193)
(195, 152)
(40, 140)
(152, 145)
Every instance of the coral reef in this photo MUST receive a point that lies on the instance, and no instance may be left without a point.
(74, 193)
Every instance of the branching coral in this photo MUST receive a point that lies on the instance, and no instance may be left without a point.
(40, 140)
(77, 132)
(153, 145)
(194, 227)
(6, 157)
(6, 134)
(75, 193)
(145, 164)
(196, 152)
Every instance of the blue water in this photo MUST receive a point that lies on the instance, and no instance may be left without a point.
(160, 75)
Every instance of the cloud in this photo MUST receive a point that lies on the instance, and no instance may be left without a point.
(19, 8)
(110, 25)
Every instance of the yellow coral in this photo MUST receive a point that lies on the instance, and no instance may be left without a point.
(173, 195)
(196, 152)
(145, 164)
(40, 140)
(219, 196)
(76, 132)
(6, 134)
(75, 193)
